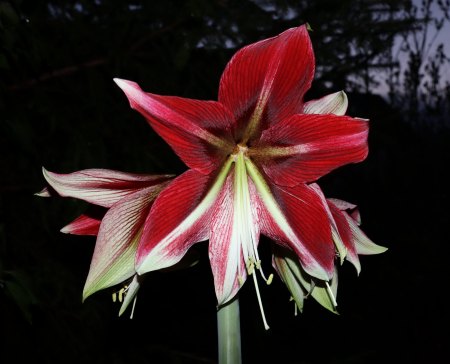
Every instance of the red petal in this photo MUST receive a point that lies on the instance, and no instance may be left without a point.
(101, 186)
(198, 131)
(270, 76)
(305, 147)
(83, 225)
(308, 232)
(179, 218)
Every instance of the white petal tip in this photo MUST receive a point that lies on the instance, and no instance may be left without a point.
(43, 193)
(65, 230)
(126, 85)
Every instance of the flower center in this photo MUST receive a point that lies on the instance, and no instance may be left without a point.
(240, 148)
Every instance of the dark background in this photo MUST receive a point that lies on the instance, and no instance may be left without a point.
(59, 108)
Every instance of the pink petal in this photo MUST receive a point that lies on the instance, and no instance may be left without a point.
(87, 224)
(350, 208)
(117, 241)
(305, 147)
(268, 80)
(300, 222)
(179, 218)
(341, 204)
(102, 187)
(198, 131)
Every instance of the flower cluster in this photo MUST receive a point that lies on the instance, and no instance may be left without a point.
(253, 157)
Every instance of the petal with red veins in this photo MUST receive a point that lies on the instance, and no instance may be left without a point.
(341, 246)
(179, 218)
(234, 235)
(341, 204)
(117, 241)
(198, 131)
(347, 218)
(225, 251)
(346, 235)
(335, 103)
(296, 218)
(303, 148)
(265, 82)
(350, 208)
(102, 187)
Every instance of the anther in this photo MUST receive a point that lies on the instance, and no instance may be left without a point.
(240, 280)
(120, 294)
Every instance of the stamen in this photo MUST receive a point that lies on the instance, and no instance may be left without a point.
(330, 293)
(258, 266)
(295, 305)
(132, 308)
(119, 294)
(121, 291)
(261, 308)
(250, 268)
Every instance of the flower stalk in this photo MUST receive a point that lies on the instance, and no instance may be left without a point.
(229, 333)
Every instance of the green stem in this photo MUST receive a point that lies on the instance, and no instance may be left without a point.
(229, 333)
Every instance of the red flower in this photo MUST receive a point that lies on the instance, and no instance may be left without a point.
(251, 156)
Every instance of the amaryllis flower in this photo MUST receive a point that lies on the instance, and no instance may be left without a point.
(251, 156)
(122, 202)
